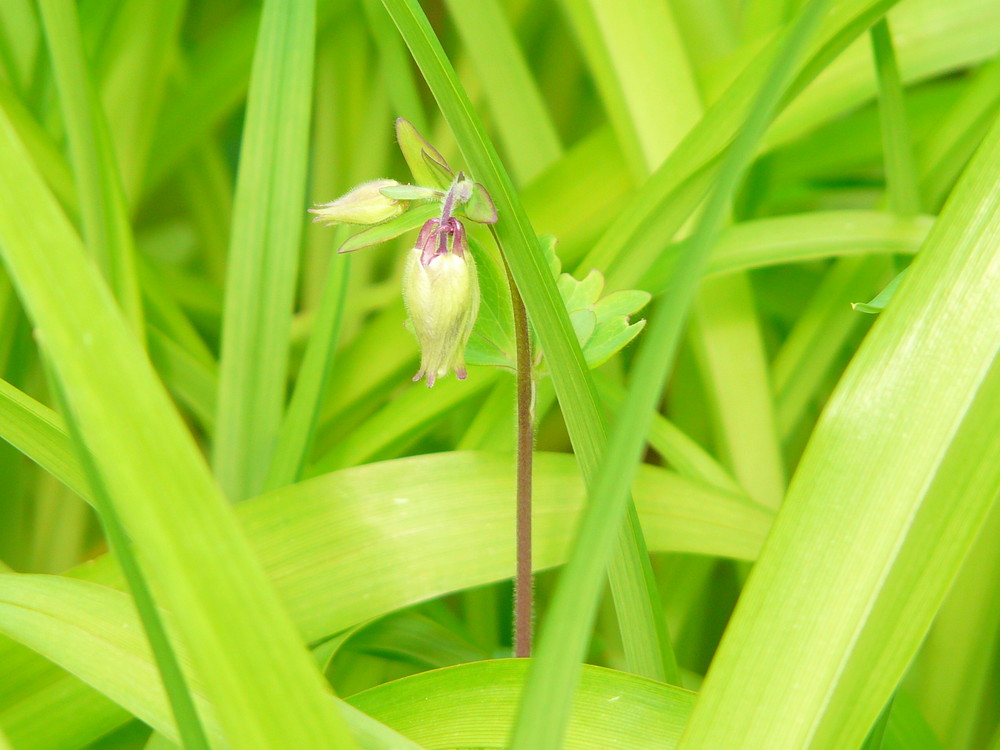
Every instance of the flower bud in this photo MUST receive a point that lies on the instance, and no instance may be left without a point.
(365, 204)
(441, 294)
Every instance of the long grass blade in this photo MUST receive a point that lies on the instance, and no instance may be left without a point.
(104, 213)
(264, 249)
(877, 560)
(252, 666)
(548, 691)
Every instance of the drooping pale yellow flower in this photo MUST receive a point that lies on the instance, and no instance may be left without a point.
(441, 294)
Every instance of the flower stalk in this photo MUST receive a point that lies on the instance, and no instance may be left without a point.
(524, 588)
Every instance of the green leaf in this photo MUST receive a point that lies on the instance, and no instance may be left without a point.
(624, 302)
(410, 192)
(611, 709)
(610, 338)
(875, 546)
(407, 221)
(106, 227)
(548, 692)
(879, 302)
(386, 517)
(425, 162)
(526, 130)
(264, 248)
(200, 564)
(38, 610)
(480, 207)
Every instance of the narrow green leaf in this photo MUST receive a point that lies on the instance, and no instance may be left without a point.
(875, 546)
(897, 146)
(106, 228)
(548, 693)
(638, 59)
(264, 248)
(298, 428)
(58, 616)
(133, 64)
(39, 433)
(387, 230)
(526, 131)
(126, 420)
(879, 302)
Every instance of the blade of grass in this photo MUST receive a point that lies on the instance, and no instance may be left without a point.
(40, 433)
(526, 130)
(726, 341)
(164, 655)
(548, 691)
(38, 608)
(961, 649)
(635, 52)
(264, 248)
(133, 63)
(943, 155)
(883, 507)
(254, 669)
(298, 427)
(104, 215)
(573, 384)
(897, 146)
(820, 334)
(456, 502)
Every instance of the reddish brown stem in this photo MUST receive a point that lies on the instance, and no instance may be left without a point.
(524, 593)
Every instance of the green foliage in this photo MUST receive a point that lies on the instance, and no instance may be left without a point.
(227, 509)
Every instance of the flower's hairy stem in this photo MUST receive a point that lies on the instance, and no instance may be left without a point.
(524, 593)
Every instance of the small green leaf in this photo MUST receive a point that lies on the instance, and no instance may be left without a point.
(610, 337)
(410, 192)
(441, 173)
(881, 299)
(391, 229)
(584, 322)
(624, 302)
(547, 244)
(414, 147)
(494, 327)
(480, 207)
(579, 295)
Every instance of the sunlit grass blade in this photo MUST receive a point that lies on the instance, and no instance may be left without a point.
(40, 434)
(264, 248)
(943, 155)
(897, 145)
(875, 546)
(133, 64)
(361, 512)
(37, 608)
(126, 420)
(298, 427)
(638, 59)
(164, 653)
(726, 341)
(548, 691)
(104, 215)
(526, 130)
(957, 658)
